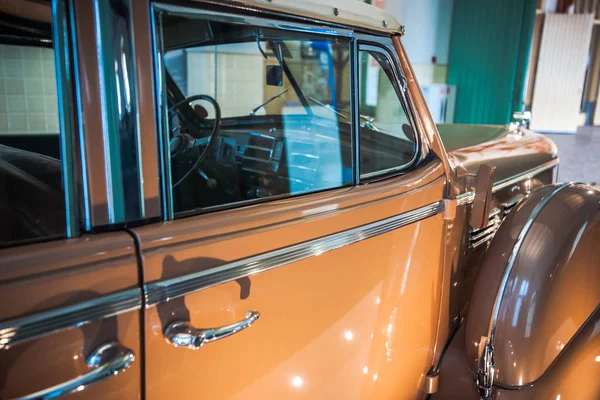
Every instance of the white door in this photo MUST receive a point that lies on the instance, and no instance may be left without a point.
(561, 72)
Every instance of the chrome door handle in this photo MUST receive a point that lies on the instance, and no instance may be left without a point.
(106, 361)
(183, 334)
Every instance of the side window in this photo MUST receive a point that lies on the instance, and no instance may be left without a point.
(253, 113)
(31, 194)
(387, 139)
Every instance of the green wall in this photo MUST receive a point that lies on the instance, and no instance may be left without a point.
(489, 53)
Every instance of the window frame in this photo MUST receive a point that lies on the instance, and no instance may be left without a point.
(383, 46)
(65, 64)
(161, 95)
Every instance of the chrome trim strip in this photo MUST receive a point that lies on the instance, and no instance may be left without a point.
(148, 143)
(513, 256)
(525, 175)
(63, 60)
(21, 329)
(465, 198)
(113, 185)
(398, 77)
(488, 232)
(468, 197)
(160, 97)
(161, 291)
(79, 130)
(209, 15)
(119, 107)
(108, 360)
(482, 241)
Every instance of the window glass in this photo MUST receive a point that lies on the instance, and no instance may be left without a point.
(387, 139)
(254, 112)
(31, 194)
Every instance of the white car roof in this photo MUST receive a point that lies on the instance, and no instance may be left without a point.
(345, 12)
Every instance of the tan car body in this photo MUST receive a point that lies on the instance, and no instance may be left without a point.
(380, 290)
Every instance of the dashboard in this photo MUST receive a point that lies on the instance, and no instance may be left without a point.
(276, 156)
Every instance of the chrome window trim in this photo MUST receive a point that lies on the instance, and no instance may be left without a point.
(161, 291)
(160, 95)
(65, 81)
(108, 113)
(119, 110)
(368, 44)
(250, 20)
(159, 69)
(86, 222)
(21, 329)
(146, 106)
(389, 25)
(468, 197)
(354, 105)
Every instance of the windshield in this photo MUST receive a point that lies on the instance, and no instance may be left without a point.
(286, 77)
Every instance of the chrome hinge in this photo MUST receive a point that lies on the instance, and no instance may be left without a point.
(432, 381)
(450, 209)
(485, 368)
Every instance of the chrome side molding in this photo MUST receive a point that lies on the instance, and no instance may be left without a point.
(18, 330)
(468, 197)
(161, 291)
(183, 334)
(107, 360)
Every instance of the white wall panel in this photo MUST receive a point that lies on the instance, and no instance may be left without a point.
(561, 72)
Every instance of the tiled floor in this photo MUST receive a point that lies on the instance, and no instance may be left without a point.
(579, 155)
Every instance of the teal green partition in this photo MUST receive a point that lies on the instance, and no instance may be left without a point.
(489, 53)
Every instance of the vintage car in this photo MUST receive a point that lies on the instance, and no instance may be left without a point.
(170, 171)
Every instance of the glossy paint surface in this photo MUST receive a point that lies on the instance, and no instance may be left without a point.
(55, 275)
(61, 356)
(512, 153)
(552, 289)
(86, 268)
(487, 282)
(358, 322)
(501, 200)
(367, 320)
(573, 375)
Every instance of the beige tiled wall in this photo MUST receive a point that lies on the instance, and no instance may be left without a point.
(240, 80)
(28, 102)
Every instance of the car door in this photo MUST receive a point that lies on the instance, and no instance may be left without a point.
(302, 258)
(70, 296)
(70, 319)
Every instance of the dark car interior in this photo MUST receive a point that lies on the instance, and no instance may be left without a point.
(31, 195)
(220, 161)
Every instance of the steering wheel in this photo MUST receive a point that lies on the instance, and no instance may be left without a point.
(182, 143)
